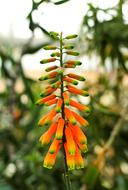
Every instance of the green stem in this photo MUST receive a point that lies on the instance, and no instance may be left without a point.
(66, 173)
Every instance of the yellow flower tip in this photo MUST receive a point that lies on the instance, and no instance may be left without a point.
(47, 166)
(72, 152)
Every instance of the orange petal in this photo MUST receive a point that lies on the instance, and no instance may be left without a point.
(66, 97)
(69, 116)
(70, 141)
(43, 100)
(79, 106)
(75, 90)
(50, 159)
(54, 146)
(70, 159)
(79, 162)
(51, 68)
(46, 137)
(59, 105)
(50, 116)
(59, 132)
(51, 102)
(77, 77)
(78, 133)
(67, 79)
(82, 147)
(80, 119)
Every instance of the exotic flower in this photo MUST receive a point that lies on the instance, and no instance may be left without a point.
(62, 122)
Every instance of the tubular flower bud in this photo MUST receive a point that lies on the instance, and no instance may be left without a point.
(46, 137)
(69, 66)
(48, 91)
(79, 106)
(82, 147)
(50, 159)
(70, 141)
(48, 60)
(59, 105)
(59, 131)
(80, 119)
(67, 79)
(51, 68)
(54, 146)
(51, 102)
(66, 98)
(55, 54)
(70, 62)
(78, 133)
(71, 36)
(50, 116)
(74, 53)
(50, 47)
(56, 85)
(79, 162)
(69, 159)
(77, 77)
(49, 76)
(54, 35)
(75, 90)
(42, 120)
(43, 100)
(69, 46)
(69, 116)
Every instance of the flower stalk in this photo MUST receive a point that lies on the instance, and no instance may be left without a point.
(64, 130)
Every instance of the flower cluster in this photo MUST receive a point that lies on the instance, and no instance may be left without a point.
(64, 124)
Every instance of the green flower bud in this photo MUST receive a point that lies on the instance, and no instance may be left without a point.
(72, 53)
(49, 47)
(54, 35)
(55, 54)
(47, 60)
(71, 36)
(70, 46)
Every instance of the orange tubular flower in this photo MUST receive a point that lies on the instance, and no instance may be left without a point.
(59, 131)
(80, 119)
(43, 100)
(78, 133)
(70, 159)
(66, 98)
(75, 90)
(69, 66)
(46, 137)
(82, 147)
(59, 105)
(51, 102)
(79, 106)
(49, 117)
(70, 141)
(48, 91)
(47, 60)
(77, 77)
(70, 116)
(51, 68)
(54, 146)
(79, 162)
(50, 159)
(67, 79)
(49, 76)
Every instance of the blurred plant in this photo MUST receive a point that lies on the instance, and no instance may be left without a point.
(68, 134)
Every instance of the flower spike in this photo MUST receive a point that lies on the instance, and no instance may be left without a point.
(62, 122)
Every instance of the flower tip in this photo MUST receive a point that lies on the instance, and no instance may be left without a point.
(86, 93)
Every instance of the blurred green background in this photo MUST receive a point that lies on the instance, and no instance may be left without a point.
(103, 40)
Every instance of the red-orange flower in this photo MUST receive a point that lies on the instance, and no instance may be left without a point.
(70, 141)
(66, 98)
(69, 115)
(79, 106)
(80, 119)
(59, 132)
(75, 90)
(79, 162)
(78, 133)
(46, 137)
(70, 159)
(59, 105)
